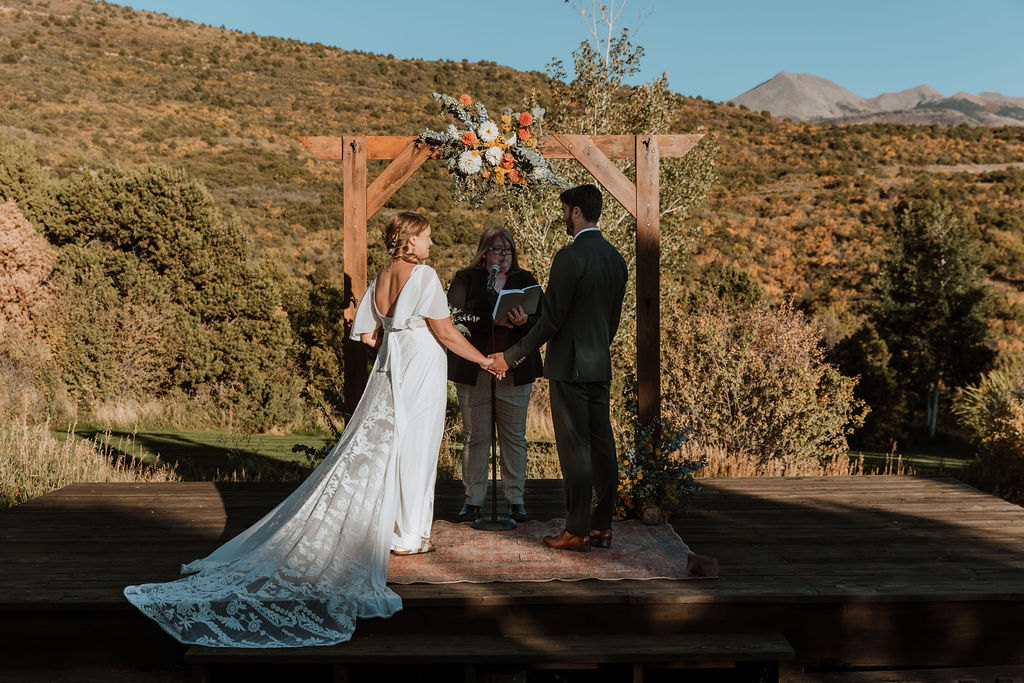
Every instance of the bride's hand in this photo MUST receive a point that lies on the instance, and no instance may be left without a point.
(486, 363)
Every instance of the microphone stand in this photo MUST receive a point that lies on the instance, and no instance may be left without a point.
(495, 523)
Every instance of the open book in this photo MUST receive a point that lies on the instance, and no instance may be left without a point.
(508, 299)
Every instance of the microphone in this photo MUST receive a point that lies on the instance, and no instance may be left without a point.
(490, 278)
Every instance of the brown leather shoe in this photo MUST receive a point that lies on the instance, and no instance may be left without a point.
(601, 538)
(567, 541)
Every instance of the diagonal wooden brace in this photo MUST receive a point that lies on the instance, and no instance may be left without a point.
(583, 149)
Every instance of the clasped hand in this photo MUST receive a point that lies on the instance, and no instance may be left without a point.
(496, 365)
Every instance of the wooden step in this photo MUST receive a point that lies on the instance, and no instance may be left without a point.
(688, 649)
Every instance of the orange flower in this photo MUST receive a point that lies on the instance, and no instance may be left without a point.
(514, 175)
(466, 100)
(469, 137)
(525, 119)
(524, 134)
(506, 120)
(507, 161)
(485, 174)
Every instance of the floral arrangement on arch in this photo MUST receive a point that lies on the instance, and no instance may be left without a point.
(484, 155)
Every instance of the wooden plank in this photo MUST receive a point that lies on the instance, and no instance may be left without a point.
(326, 147)
(394, 176)
(590, 156)
(648, 279)
(569, 648)
(354, 353)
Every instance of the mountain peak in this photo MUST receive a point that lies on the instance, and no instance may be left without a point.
(806, 97)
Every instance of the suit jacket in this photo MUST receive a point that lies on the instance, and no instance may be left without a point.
(468, 292)
(582, 307)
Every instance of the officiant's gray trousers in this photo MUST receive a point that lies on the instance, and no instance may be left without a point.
(475, 402)
(586, 453)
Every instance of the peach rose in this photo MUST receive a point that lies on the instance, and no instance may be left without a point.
(524, 134)
(507, 161)
(466, 100)
(469, 138)
(525, 119)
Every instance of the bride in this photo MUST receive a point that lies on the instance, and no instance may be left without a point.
(304, 573)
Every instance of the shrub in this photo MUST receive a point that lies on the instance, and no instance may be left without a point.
(26, 260)
(23, 181)
(754, 380)
(993, 412)
(161, 295)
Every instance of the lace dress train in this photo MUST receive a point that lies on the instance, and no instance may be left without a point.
(308, 569)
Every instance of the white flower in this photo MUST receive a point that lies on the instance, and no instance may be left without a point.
(539, 173)
(488, 131)
(453, 131)
(493, 155)
(511, 140)
(469, 162)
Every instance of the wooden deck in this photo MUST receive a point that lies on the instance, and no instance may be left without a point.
(853, 572)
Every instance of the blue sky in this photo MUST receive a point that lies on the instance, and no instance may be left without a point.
(717, 48)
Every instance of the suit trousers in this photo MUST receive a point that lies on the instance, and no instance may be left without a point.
(586, 453)
(510, 415)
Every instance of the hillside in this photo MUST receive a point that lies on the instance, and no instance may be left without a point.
(97, 85)
(801, 206)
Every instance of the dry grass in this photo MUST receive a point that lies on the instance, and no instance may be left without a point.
(538, 414)
(721, 464)
(129, 413)
(33, 462)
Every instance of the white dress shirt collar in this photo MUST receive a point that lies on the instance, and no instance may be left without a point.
(586, 230)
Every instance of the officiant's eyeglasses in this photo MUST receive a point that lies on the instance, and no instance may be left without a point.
(500, 251)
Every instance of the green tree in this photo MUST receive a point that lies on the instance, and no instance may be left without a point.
(163, 294)
(24, 181)
(932, 307)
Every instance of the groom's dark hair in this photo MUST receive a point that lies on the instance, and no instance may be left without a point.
(587, 197)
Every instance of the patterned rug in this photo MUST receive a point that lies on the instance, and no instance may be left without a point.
(465, 554)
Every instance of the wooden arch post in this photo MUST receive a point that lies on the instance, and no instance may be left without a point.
(593, 152)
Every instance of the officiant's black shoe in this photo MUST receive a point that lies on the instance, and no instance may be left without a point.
(567, 541)
(469, 513)
(601, 538)
(517, 511)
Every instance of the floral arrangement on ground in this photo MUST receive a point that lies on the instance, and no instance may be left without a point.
(651, 471)
(484, 155)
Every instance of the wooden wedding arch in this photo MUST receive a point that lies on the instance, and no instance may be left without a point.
(593, 152)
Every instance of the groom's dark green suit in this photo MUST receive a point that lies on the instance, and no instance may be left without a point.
(582, 306)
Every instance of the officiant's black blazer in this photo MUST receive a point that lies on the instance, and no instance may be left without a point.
(582, 308)
(468, 293)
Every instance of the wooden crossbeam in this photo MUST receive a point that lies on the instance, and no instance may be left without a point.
(330, 148)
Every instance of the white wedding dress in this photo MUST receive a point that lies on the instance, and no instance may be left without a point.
(303, 574)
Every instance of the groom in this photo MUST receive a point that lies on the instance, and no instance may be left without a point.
(579, 319)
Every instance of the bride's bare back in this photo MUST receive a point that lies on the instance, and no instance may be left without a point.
(390, 283)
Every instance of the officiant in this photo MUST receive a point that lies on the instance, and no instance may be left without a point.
(473, 294)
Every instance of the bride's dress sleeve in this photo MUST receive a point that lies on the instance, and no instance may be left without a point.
(433, 302)
(366, 318)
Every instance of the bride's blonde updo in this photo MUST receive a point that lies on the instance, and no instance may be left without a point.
(397, 232)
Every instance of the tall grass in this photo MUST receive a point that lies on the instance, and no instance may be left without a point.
(722, 463)
(33, 462)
